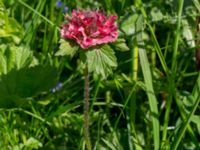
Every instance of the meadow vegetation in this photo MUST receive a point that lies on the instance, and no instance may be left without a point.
(148, 98)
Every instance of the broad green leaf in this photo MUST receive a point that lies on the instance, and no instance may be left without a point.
(156, 14)
(66, 48)
(33, 143)
(196, 119)
(128, 23)
(18, 85)
(187, 34)
(120, 44)
(9, 27)
(14, 57)
(101, 60)
(23, 57)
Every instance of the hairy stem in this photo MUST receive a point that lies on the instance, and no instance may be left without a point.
(86, 110)
(198, 43)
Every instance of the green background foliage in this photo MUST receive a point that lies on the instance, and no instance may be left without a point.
(144, 88)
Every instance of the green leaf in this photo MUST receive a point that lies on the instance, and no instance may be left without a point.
(9, 27)
(33, 143)
(156, 14)
(17, 85)
(101, 60)
(23, 57)
(3, 62)
(120, 45)
(128, 23)
(197, 5)
(179, 136)
(14, 57)
(196, 119)
(67, 48)
(187, 34)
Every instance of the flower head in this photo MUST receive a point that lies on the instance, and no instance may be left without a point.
(61, 5)
(58, 87)
(65, 9)
(90, 28)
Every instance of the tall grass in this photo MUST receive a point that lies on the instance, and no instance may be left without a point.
(151, 101)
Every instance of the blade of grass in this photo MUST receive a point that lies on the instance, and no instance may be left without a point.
(184, 116)
(197, 4)
(28, 113)
(134, 62)
(124, 106)
(132, 135)
(148, 82)
(180, 134)
(176, 42)
(157, 46)
(39, 14)
(173, 68)
(32, 25)
(151, 96)
(158, 49)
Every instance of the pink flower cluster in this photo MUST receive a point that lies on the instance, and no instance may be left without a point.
(90, 28)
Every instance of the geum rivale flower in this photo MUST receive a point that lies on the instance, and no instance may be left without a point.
(90, 28)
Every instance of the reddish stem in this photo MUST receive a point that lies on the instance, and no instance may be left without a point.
(86, 109)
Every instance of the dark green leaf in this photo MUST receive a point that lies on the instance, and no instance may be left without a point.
(27, 82)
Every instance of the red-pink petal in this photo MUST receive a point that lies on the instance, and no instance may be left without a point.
(90, 28)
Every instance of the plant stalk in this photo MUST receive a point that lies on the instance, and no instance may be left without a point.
(86, 109)
(173, 68)
(198, 43)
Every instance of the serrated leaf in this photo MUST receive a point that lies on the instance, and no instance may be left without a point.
(23, 57)
(14, 57)
(101, 60)
(66, 48)
(9, 56)
(3, 64)
(17, 85)
(120, 45)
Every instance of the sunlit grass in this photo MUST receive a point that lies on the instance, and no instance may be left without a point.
(151, 101)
